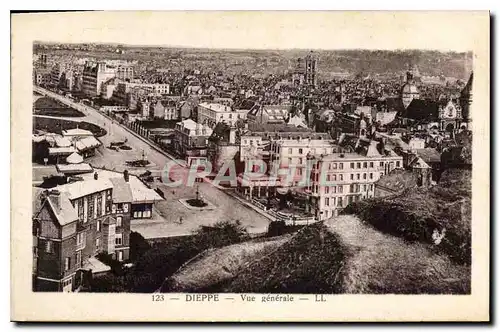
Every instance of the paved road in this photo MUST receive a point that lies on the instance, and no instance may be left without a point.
(116, 132)
(227, 206)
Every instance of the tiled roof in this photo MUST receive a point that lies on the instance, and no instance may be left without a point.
(140, 192)
(121, 190)
(429, 155)
(64, 211)
(420, 109)
(83, 188)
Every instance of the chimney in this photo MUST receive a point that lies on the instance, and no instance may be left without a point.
(125, 175)
(55, 198)
(96, 176)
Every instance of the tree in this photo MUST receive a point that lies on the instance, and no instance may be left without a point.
(138, 246)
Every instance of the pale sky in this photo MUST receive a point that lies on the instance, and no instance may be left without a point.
(259, 30)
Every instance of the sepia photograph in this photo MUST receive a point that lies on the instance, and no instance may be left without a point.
(269, 174)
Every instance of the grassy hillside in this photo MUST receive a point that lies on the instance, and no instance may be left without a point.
(343, 255)
(377, 263)
(216, 266)
(417, 214)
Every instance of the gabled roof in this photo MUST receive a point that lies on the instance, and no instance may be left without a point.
(418, 163)
(429, 155)
(420, 109)
(63, 211)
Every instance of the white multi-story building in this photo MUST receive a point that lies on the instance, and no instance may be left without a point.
(291, 155)
(94, 74)
(341, 178)
(124, 89)
(210, 114)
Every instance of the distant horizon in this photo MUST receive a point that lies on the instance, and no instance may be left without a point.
(171, 46)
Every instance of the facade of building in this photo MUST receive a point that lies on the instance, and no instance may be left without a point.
(94, 74)
(191, 140)
(294, 152)
(75, 222)
(210, 114)
(341, 178)
(165, 109)
(125, 72)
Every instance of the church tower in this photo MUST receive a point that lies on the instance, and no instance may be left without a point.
(409, 90)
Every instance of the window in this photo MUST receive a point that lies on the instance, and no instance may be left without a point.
(80, 238)
(341, 165)
(118, 221)
(334, 177)
(334, 165)
(98, 225)
(327, 201)
(358, 165)
(341, 177)
(289, 161)
(339, 202)
(352, 165)
(300, 160)
(327, 190)
(300, 151)
(364, 187)
(290, 151)
(125, 207)
(357, 176)
(97, 244)
(334, 189)
(67, 263)
(340, 189)
(381, 164)
(120, 256)
(371, 187)
(371, 176)
(80, 209)
(352, 176)
(365, 164)
(364, 176)
(118, 239)
(328, 177)
(371, 163)
(90, 207)
(49, 247)
(397, 163)
(79, 258)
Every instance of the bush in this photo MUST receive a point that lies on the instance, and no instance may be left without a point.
(138, 246)
(116, 266)
(161, 260)
(309, 263)
(415, 215)
(276, 228)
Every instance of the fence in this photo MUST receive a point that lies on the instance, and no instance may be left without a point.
(289, 219)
